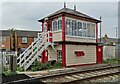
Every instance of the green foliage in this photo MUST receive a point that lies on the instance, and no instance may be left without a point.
(46, 65)
(5, 69)
(111, 61)
(36, 66)
(20, 69)
(9, 73)
(58, 64)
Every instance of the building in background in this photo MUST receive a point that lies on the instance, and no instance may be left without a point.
(17, 42)
(24, 38)
(5, 40)
(107, 40)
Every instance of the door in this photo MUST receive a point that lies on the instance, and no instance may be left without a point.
(99, 54)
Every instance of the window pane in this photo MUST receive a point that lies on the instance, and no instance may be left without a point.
(24, 39)
(2, 39)
(84, 30)
(89, 29)
(79, 29)
(59, 24)
(73, 27)
(59, 55)
(68, 26)
(54, 25)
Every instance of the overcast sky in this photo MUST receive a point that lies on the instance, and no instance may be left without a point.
(24, 15)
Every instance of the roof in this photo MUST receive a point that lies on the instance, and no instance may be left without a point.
(20, 33)
(27, 33)
(4, 33)
(70, 11)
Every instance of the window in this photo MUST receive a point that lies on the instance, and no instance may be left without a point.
(60, 24)
(89, 30)
(57, 25)
(79, 29)
(73, 27)
(84, 30)
(68, 27)
(45, 27)
(59, 55)
(24, 39)
(54, 25)
(93, 30)
(2, 39)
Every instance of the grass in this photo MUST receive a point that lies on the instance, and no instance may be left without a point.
(111, 61)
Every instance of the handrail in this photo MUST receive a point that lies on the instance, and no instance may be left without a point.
(37, 47)
(30, 46)
(29, 52)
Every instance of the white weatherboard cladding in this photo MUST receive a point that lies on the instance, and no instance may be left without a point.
(72, 59)
(57, 36)
(52, 54)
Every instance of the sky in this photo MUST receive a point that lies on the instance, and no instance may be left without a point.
(25, 15)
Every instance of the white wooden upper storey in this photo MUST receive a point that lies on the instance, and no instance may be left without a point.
(76, 30)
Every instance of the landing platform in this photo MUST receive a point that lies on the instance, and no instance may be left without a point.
(62, 70)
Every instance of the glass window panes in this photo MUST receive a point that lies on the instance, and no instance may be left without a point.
(79, 28)
(59, 52)
(54, 25)
(84, 30)
(24, 39)
(2, 39)
(68, 27)
(59, 24)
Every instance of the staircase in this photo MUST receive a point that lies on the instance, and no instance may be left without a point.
(27, 58)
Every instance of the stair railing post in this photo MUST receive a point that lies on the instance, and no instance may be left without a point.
(48, 36)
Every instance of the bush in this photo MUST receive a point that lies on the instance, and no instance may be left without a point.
(46, 65)
(58, 64)
(36, 66)
(20, 69)
(5, 69)
(111, 61)
(8, 73)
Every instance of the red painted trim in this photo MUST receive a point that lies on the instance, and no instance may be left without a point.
(43, 53)
(81, 65)
(42, 26)
(50, 34)
(43, 57)
(96, 32)
(63, 55)
(63, 45)
(96, 41)
(96, 54)
(63, 27)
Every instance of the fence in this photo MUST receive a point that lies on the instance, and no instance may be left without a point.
(109, 52)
